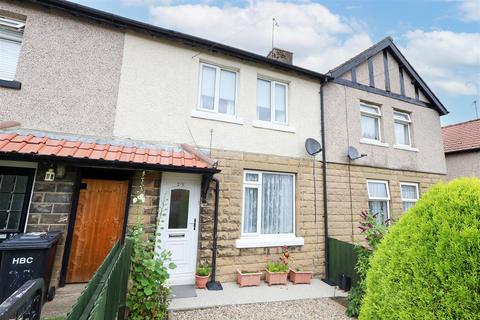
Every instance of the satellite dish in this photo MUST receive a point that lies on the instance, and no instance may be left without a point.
(312, 146)
(353, 153)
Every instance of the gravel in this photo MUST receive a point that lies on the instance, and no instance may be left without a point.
(310, 309)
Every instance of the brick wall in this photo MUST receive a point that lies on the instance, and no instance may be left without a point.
(50, 209)
(343, 214)
(229, 258)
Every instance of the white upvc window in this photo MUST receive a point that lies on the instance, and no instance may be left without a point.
(272, 101)
(410, 194)
(218, 90)
(370, 118)
(11, 33)
(379, 199)
(268, 217)
(402, 123)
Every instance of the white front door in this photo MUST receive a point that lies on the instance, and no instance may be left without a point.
(178, 227)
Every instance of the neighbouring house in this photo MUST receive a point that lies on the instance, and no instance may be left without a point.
(108, 102)
(462, 149)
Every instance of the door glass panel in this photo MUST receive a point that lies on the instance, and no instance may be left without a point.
(14, 220)
(7, 183)
(3, 219)
(17, 201)
(4, 201)
(21, 184)
(178, 214)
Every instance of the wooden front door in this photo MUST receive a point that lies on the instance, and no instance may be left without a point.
(98, 225)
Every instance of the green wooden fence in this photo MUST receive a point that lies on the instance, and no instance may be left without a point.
(105, 294)
(341, 259)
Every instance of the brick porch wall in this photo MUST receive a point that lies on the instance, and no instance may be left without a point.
(50, 209)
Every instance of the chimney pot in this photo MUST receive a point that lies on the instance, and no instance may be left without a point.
(281, 55)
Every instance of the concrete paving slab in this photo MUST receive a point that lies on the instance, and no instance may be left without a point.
(232, 295)
(63, 301)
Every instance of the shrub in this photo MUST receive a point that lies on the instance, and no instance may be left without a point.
(428, 265)
(373, 232)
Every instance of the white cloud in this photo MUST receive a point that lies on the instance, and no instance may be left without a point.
(318, 38)
(447, 61)
(470, 10)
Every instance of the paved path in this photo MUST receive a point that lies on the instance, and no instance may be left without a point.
(309, 309)
(233, 295)
(63, 302)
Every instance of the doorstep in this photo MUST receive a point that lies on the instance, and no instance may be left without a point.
(232, 294)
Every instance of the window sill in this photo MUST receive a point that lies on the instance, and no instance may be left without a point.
(272, 126)
(216, 117)
(404, 147)
(12, 84)
(269, 241)
(373, 142)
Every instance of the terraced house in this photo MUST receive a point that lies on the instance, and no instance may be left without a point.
(216, 134)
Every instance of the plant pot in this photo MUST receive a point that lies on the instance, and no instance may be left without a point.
(300, 276)
(275, 277)
(248, 278)
(201, 281)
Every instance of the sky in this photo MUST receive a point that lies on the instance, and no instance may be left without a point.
(440, 38)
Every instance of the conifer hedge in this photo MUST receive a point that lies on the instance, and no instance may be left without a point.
(428, 264)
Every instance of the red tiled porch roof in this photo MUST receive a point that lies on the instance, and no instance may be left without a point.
(72, 148)
(461, 136)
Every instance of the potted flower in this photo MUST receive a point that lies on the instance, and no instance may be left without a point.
(201, 276)
(246, 278)
(299, 276)
(277, 269)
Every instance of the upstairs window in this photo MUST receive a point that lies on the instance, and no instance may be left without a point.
(370, 116)
(217, 90)
(379, 199)
(272, 101)
(409, 194)
(11, 33)
(402, 128)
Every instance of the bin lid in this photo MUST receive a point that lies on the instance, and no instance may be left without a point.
(31, 240)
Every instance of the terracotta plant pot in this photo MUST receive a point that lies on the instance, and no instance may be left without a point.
(201, 281)
(248, 278)
(300, 276)
(275, 277)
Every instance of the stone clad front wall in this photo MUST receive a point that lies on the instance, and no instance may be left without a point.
(348, 196)
(229, 258)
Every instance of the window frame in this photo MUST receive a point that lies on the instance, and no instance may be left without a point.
(403, 122)
(216, 97)
(273, 83)
(258, 185)
(388, 199)
(30, 173)
(413, 184)
(11, 30)
(377, 116)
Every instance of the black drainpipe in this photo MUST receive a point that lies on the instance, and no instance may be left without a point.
(324, 176)
(212, 284)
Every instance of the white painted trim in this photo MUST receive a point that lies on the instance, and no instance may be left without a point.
(264, 241)
(18, 164)
(273, 126)
(373, 142)
(202, 114)
(405, 147)
(414, 184)
(274, 82)
(380, 199)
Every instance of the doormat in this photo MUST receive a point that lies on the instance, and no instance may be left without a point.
(183, 291)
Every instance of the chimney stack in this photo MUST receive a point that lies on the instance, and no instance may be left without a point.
(281, 55)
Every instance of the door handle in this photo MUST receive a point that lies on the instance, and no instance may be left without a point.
(194, 223)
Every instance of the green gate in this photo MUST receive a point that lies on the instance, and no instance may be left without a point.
(105, 294)
(341, 259)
